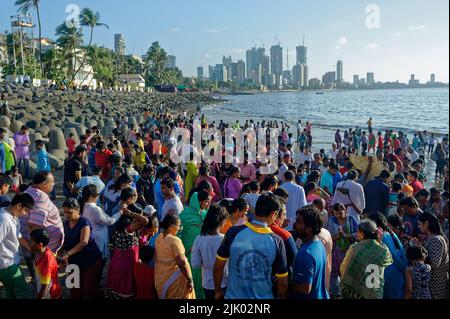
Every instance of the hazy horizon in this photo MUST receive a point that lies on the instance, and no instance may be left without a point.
(412, 36)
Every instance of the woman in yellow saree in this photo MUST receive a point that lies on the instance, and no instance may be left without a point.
(173, 276)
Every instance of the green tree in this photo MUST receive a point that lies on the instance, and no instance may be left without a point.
(53, 61)
(25, 6)
(103, 62)
(155, 60)
(70, 39)
(91, 20)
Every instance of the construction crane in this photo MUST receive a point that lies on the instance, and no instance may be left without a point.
(276, 40)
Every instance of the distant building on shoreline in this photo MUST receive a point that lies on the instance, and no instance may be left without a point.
(119, 44)
(200, 73)
(370, 78)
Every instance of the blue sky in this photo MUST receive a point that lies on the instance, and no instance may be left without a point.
(412, 36)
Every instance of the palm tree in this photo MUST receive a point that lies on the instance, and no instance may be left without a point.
(25, 6)
(92, 20)
(70, 38)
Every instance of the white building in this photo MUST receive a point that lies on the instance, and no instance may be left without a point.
(136, 81)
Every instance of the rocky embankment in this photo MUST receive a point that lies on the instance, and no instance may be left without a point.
(53, 115)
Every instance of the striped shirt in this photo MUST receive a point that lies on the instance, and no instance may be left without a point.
(46, 215)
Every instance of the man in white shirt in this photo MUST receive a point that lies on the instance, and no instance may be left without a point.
(284, 167)
(172, 204)
(11, 239)
(334, 151)
(296, 199)
(305, 156)
(412, 154)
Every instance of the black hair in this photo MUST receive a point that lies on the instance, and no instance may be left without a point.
(314, 175)
(5, 180)
(382, 223)
(239, 204)
(289, 176)
(87, 192)
(309, 187)
(168, 182)
(396, 187)
(213, 219)
(204, 184)
(24, 199)
(422, 192)
(433, 224)
(338, 206)
(409, 201)
(168, 220)
(281, 192)
(203, 170)
(352, 175)
(40, 177)
(268, 182)
(311, 218)
(396, 221)
(146, 253)
(153, 221)
(369, 229)
(202, 195)
(266, 205)
(71, 203)
(227, 204)
(416, 252)
(254, 186)
(96, 170)
(127, 193)
(40, 236)
(23, 187)
(121, 180)
(233, 170)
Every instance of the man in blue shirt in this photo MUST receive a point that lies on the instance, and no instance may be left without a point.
(309, 273)
(377, 193)
(253, 253)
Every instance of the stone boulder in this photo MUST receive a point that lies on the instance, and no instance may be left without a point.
(81, 130)
(44, 130)
(15, 126)
(56, 159)
(5, 122)
(34, 124)
(56, 140)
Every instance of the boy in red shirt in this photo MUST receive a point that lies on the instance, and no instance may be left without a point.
(102, 159)
(46, 267)
(414, 182)
(71, 144)
(144, 275)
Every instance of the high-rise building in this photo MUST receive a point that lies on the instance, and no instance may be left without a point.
(300, 75)
(252, 61)
(200, 72)
(433, 78)
(370, 79)
(240, 71)
(413, 81)
(329, 79)
(340, 72)
(226, 61)
(119, 44)
(356, 79)
(171, 62)
(221, 73)
(314, 83)
(302, 57)
(212, 73)
(276, 62)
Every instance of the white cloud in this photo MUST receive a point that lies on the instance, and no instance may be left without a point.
(207, 56)
(372, 46)
(397, 34)
(417, 27)
(175, 29)
(342, 40)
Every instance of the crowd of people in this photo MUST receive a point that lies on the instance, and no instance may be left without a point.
(137, 225)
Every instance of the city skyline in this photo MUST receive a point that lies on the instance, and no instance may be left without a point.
(412, 36)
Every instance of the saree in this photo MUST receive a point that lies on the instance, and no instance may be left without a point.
(192, 219)
(355, 271)
(169, 282)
